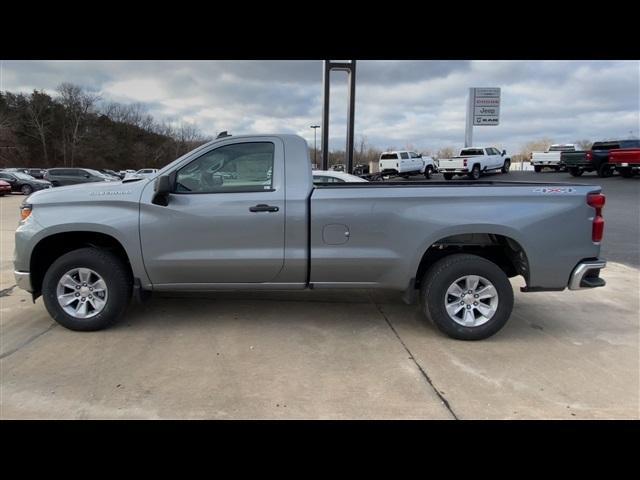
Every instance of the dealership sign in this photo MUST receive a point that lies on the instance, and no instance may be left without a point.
(486, 106)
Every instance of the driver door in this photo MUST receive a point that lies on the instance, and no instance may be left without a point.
(225, 218)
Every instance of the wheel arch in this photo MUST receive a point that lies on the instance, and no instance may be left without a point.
(49, 248)
(499, 247)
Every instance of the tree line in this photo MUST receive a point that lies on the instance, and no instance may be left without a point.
(75, 128)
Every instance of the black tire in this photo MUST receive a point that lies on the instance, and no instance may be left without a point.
(605, 171)
(26, 189)
(626, 173)
(448, 176)
(113, 271)
(575, 172)
(537, 168)
(474, 174)
(506, 166)
(443, 273)
(427, 172)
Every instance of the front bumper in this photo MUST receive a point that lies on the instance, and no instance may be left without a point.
(587, 275)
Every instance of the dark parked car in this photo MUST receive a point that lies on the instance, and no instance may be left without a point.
(60, 177)
(111, 173)
(21, 182)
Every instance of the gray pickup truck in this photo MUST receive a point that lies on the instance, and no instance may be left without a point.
(243, 213)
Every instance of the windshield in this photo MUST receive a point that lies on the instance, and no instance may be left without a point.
(23, 176)
(96, 173)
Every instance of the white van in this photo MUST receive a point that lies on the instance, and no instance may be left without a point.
(405, 163)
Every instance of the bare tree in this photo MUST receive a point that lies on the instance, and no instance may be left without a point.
(541, 145)
(39, 115)
(446, 152)
(584, 144)
(78, 105)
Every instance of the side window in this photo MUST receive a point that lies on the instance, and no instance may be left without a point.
(414, 155)
(240, 167)
(404, 155)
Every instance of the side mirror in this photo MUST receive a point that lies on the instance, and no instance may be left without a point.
(504, 152)
(161, 191)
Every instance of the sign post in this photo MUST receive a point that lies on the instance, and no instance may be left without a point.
(483, 108)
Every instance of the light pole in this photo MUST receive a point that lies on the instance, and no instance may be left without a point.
(315, 150)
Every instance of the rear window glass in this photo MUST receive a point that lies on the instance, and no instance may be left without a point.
(630, 144)
(562, 148)
(389, 156)
(471, 151)
(605, 145)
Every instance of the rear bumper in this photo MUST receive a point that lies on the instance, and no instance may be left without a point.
(23, 280)
(587, 275)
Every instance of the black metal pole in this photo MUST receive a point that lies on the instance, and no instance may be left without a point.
(326, 83)
(351, 115)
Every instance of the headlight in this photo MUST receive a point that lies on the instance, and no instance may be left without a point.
(25, 211)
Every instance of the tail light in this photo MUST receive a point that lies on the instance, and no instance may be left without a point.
(589, 156)
(464, 162)
(597, 200)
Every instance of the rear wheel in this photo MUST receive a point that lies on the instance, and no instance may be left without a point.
(626, 172)
(26, 189)
(86, 289)
(506, 166)
(575, 172)
(427, 172)
(605, 170)
(474, 174)
(448, 176)
(537, 168)
(466, 296)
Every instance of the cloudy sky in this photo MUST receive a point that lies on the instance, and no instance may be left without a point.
(398, 103)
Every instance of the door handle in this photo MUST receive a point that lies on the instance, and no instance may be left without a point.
(263, 207)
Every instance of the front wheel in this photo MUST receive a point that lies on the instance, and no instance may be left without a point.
(506, 166)
(466, 296)
(575, 172)
(26, 189)
(448, 176)
(86, 289)
(537, 168)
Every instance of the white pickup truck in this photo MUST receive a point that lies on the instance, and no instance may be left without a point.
(404, 163)
(474, 161)
(551, 158)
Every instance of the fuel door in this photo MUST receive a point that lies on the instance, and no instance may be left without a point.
(335, 234)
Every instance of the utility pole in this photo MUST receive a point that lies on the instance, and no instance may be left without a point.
(315, 149)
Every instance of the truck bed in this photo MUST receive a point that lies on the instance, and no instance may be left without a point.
(374, 234)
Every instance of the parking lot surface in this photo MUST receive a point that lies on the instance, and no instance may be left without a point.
(334, 354)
